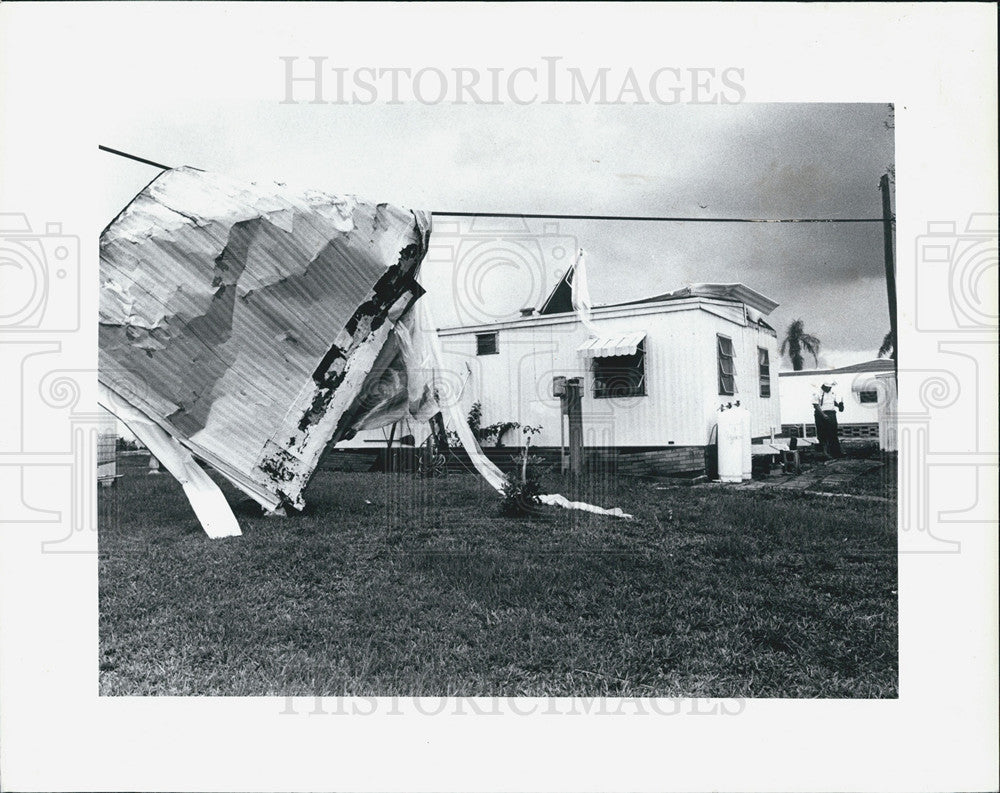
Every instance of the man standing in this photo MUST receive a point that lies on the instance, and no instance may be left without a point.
(826, 405)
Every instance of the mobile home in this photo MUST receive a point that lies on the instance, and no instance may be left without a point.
(653, 372)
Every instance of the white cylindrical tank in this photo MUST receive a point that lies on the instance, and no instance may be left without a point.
(747, 439)
(730, 446)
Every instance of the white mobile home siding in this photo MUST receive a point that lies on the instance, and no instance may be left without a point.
(797, 390)
(681, 372)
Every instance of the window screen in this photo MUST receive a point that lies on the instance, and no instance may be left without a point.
(727, 366)
(764, 364)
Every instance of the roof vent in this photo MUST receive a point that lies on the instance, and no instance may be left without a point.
(527, 312)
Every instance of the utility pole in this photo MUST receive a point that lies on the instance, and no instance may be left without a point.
(890, 266)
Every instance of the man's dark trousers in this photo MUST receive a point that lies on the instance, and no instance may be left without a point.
(828, 432)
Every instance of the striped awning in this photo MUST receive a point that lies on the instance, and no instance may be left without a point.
(607, 346)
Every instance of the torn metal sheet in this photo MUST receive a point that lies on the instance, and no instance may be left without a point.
(246, 320)
(206, 499)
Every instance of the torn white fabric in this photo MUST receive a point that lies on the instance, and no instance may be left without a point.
(417, 357)
(556, 500)
(581, 293)
(207, 501)
(400, 384)
(452, 409)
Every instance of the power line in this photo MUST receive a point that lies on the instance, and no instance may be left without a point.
(649, 218)
(128, 156)
(528, 215)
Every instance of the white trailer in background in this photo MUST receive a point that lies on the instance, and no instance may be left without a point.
(869, 393)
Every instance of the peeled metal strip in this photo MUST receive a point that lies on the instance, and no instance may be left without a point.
(207, 501)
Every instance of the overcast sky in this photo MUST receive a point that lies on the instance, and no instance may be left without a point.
(745, 160)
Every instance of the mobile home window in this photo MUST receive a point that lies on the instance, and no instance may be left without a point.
(727, 366)
(764, 364)
(486, 344)
(620, 375)
(869, 397)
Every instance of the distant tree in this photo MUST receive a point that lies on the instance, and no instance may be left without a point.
(796, 342)
(888, 348)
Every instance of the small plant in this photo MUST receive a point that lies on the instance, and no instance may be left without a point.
(521, 490)
(491, 431)
(475, 418)
(520, 498)
(530, 432)
(497, 431)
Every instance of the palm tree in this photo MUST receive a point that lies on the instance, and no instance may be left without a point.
(796, 341)
(888, 348)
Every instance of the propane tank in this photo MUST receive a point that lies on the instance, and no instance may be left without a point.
(730, 445)
(746, 458)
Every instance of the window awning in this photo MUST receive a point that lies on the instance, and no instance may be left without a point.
(607, 346)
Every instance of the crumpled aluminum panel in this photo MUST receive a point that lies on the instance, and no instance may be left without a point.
(245, 319)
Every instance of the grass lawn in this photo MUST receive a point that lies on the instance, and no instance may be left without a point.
(395, 585)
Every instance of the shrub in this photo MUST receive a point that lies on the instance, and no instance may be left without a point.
(491, 431)
(522, 487)
(520, 498)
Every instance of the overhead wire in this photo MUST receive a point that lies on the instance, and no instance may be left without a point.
(572, 216)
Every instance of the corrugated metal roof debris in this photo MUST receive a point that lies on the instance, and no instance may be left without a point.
(245, 320)
(736, 292)
(875, 365)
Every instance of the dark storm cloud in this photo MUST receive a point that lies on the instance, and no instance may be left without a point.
(762, 161)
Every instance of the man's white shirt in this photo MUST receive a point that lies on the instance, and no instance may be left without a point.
(826, 400)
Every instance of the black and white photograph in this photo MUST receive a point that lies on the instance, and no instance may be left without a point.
(488, 451)
(498, 396)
